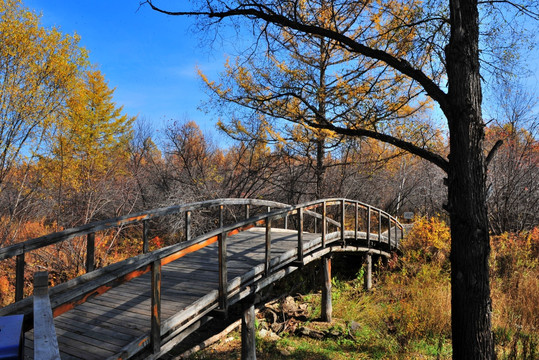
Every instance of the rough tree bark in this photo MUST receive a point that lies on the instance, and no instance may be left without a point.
(470, 247)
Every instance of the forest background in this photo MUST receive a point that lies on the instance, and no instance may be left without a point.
(69, 155)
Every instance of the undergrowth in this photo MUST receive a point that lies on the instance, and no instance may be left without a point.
(407, 314)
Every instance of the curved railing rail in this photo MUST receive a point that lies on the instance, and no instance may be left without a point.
(361, 218)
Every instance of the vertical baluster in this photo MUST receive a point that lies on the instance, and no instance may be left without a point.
(90, 252)
(396, 233)
(356, 220)
(145, 245)
(286, 221)
(19, 277)
(324, 224)
(343, 212)
(389, 231)
(369, 226)
(223, 281)
(187, 225)
(155, 332)
(268, 247)
(247, 209)
(300, 235)
(379, 226)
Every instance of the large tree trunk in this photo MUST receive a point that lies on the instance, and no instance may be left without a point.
(470, 247)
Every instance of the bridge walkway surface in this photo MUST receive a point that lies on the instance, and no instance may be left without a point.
(102, 326)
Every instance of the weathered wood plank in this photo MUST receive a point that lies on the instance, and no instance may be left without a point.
(46, 344)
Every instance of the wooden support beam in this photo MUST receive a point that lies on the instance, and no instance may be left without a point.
(368, 272)
(90, 252)
(248, 339)
(327, 308)
(19, 277)
(155, 332)
(45, 341)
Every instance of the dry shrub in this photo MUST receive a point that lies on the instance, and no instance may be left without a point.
(515, 294)
(420, 288)
(428, 241)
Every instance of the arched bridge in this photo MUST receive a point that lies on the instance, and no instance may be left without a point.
(146, 304)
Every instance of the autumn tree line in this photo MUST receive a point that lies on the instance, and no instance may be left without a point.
(70, 156)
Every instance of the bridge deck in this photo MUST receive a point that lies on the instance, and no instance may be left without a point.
(102, 326)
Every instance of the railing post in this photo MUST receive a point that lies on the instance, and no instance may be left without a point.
(145, 245)
(19, 277)
(90, 252)
(324, 224)
(356, 220)
(343, 212)
(300, 235)
(379, 226)
(286, 222)
(221, 207)
(247, 206)
(223, 281)
(389, 231)
(155, 332)
(187, 225)
(268, 247)
(396, 233)
(369, 215)
(45, 341)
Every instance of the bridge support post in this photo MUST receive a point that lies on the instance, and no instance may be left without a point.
(327, 308)
(248, 340)
(368, 272)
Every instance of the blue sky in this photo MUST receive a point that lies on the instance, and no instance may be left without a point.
(150, 58)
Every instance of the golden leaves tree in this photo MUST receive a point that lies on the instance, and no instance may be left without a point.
(304, 82)
(88, 152)
(37, 72)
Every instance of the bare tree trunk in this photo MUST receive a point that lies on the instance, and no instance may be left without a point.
(470, 248)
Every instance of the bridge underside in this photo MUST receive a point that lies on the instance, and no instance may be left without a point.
(116, 324)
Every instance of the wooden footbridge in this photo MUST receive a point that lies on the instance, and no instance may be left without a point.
(143, 306)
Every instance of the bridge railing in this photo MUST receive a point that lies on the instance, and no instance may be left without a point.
(338, 213)
(89, 230)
